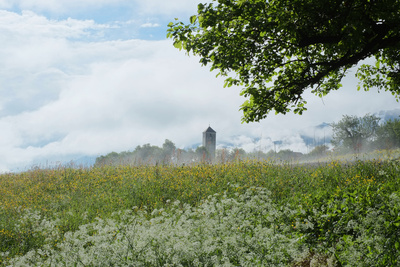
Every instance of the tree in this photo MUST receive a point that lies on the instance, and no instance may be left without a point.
(168, 151)
(353, 132)
(168, 146)
(148, 154)
(287, 155)
(202, 154)
(237, 154)
(114, 158)
(388, 135)
(319, 151)
(278, 49)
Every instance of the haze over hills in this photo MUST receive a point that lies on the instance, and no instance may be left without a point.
(298, 141)
(308, 139)
(386, 115)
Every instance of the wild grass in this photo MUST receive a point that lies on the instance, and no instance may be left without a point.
(253, 213)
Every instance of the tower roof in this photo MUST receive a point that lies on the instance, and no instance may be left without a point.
(209, 130)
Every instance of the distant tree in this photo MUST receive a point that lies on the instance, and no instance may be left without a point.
(318, 151)
(188, 156)
(256, 155)
(388, 135)
(288, 155)
(168, 146)
(168, 150)
(278, 49)
(202, 154)
(261, 155)
(237, 154)
(271, 153)
(148, 154)
(353, 132)
(100, 161)
(112, 158)
(222, 155)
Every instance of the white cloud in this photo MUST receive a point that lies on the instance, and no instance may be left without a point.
(61, 97)
(111, 96)
(30, 24)
(33, 42)
(132, 18)
(150, 25)
(38, 56)
(59, 6)
(139, 7)
(5, 4)
(169, 8)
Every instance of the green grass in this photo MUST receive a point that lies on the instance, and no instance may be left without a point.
(330, 204)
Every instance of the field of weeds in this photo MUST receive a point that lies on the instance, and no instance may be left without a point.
(248, 213)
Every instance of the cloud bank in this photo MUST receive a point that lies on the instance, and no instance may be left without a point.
(69, 90)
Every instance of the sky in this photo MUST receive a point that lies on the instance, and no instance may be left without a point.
(83, 78)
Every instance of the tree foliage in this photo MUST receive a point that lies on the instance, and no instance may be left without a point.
(278, 49)
(388, 135)
(353, 132)
(319, 151)
(145, 154)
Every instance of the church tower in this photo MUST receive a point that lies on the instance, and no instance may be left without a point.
(210, 142)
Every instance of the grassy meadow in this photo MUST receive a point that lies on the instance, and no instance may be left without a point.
(244, 213)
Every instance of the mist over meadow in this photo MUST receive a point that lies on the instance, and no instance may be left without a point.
(352, 136)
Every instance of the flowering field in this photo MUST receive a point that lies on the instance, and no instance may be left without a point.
(249, 213)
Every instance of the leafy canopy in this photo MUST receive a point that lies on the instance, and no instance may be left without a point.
(277, 49)
(353, 132)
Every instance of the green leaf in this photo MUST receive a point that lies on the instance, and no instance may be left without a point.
(178, 45)
(275, 46)
(193, 19)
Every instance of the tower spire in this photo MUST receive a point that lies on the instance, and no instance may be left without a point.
(210, 142)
